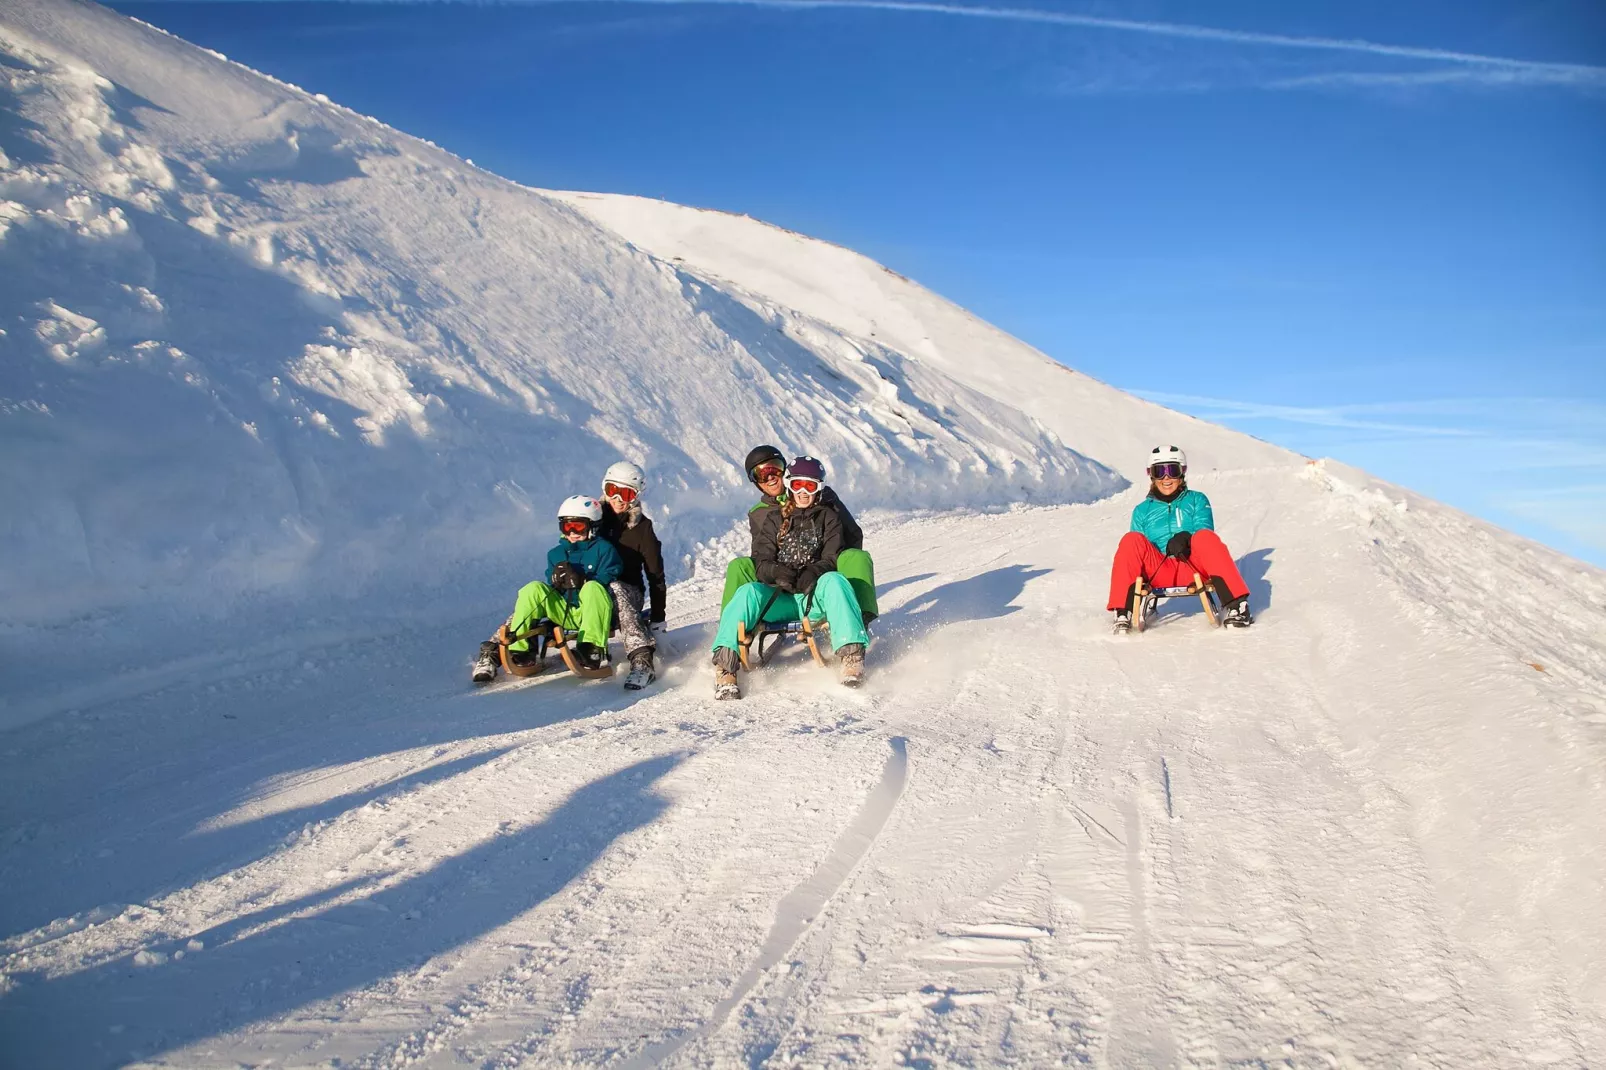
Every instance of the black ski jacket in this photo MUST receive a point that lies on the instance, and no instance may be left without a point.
(640, 552)
(806, 552)
(852, 534)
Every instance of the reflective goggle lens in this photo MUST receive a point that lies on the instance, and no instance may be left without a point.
(614, 490)
(1168, 470)
(574, 525)
(806, 486)
(764, 473)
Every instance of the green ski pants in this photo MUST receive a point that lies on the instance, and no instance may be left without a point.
(590, 622)
(832, 602)
(854, 565)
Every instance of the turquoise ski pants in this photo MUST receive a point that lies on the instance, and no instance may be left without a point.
(590, 622)
(832, 602)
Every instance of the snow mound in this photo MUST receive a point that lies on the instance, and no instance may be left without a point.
(255, 342)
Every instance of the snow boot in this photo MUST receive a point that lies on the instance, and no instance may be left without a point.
(489, 662)
(641, 673)
(1123, 621)
(725, 682)
(588, 655)
(851, 657)
(1236, 614)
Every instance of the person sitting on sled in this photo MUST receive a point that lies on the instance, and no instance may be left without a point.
(641, 558)
(795, 549)
(574, 597)
(1172, 537)
(766, 467)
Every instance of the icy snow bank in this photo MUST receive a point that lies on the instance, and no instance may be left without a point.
(254, 342)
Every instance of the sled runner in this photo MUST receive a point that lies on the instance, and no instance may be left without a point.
(1146, 600)
(771, 635)
(542, 636)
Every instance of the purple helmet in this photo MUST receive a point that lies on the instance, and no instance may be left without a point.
(806, 468)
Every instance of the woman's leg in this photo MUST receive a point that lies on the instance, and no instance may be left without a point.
(596, 614)
(1135, 556)
(738, 574)
(834, 602)
(859, 570)
(628, 598)
(745, 606)
(1212, 558)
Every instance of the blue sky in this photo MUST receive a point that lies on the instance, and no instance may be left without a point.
(1373, 231)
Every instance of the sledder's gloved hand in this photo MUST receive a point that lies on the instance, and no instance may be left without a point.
(809, 576)
(786, 578)
(1180, 546)
(566, 577)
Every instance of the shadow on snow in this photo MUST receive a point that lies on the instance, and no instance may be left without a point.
(265, 965)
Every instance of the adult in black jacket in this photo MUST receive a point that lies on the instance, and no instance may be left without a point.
(642, 557)
(765, 467)
(796, 545)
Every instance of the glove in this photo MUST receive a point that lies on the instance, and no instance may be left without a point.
(785, 578)
(808, 577)
(566, 578)
(1180, 546)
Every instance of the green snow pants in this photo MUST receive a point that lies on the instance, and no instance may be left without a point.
(855, 566)
(590, 622)
(833, 602)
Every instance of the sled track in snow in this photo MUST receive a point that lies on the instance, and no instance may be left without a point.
(804, 903)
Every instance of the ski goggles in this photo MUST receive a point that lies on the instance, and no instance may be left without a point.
(804, 485)
(1165, 470)
(574, 525)
(768, 473)
(614, 490)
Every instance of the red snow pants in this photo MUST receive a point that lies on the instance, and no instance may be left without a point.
(1137, 556)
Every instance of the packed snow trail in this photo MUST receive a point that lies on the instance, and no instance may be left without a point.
(1347, 836)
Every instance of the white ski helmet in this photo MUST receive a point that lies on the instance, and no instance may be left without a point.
(1166, 454)
(625, 474)
(581, 507)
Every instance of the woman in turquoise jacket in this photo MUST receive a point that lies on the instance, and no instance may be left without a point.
(1172, 537)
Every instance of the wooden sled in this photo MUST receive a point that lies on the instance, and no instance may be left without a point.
(1142, 593)
(772, 634)
(542, 636)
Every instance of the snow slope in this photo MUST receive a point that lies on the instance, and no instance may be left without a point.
(770, 267)
(254, 342)
(1364, 832)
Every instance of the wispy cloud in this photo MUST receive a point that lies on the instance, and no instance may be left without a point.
(1463, 67)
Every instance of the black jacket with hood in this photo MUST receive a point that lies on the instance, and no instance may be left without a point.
(794, 558)
(852, 534)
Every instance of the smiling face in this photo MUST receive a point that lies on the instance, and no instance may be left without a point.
(803, 498)
(771, 484)
(1168, 485)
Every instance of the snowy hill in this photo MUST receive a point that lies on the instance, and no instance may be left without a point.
(253, 340)
(286, 398)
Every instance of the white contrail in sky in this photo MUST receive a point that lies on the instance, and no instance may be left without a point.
(1526, 70)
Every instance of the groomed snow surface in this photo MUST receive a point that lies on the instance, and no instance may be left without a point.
(286, 398)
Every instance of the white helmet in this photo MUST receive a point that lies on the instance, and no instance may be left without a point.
(1164, 454)
(582, 507)
(625, 474)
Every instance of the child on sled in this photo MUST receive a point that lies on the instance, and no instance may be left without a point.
(1172, 537)
(574, 596)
